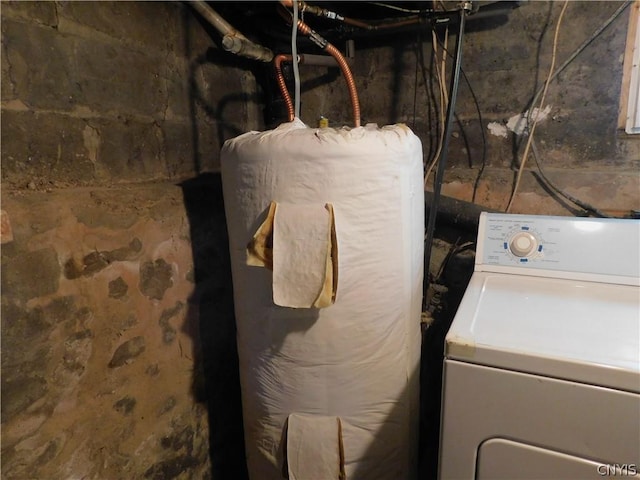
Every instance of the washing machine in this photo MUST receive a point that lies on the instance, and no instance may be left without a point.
(542, 361)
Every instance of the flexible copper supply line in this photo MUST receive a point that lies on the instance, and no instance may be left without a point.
(342, 63)
(351, 84)
(323, 12)
(308, 59)
(278, 59)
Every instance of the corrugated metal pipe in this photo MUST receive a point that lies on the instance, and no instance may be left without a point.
(318, 60)
(232, 40)
(340, 60)
(277, 61)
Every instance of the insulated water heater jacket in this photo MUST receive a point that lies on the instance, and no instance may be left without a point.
(333, 383)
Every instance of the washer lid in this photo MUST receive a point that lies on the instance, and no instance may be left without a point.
(582, 331)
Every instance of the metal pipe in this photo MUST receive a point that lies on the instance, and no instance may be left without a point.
(456, 213)
(342, 63)
(232, 40)
(318, 60)
(351, 84)
(211, 16)
(282, 85)
(302, 59)
(356, 23)
(246, 48)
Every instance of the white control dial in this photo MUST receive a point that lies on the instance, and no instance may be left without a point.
(523, 244)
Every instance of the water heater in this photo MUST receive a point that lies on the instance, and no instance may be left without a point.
(326, 230)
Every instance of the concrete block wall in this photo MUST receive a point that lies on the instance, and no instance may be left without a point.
(114, 257)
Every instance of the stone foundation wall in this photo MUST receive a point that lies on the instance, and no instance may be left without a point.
(114, 267)
(118, 338)
(100, 337)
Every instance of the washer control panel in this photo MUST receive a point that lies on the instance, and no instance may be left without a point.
(513, 240)
(523, 244)
(570, 244)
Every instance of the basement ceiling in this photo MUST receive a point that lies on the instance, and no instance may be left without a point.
(264, 22)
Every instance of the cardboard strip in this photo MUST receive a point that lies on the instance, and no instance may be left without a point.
(314, 448)
(299, 243)
(327, 294)
(260, 248)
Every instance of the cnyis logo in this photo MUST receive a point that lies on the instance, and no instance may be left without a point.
(618, 470)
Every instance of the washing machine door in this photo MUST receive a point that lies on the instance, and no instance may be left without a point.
(503, 459)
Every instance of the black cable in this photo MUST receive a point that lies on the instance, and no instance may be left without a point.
(399, 9)
(456, 248)
(484, 138)
(427, 80)
(480, 120)
(578, 51)
(415, 80)
(584, 205)
(433, 210)
(434, 112)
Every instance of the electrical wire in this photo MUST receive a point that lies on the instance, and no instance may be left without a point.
(484, 137)
(441, 75)
(331, 50)
(584, 205)
(480, 121)
(456, 248)
(444, 100)
(294, 54)
(439, 177)
(542, 99)
(399, 9)
(584, 45)
(385, 24)
(415, 82)
(441, 108)
(427, 80)
(540, 91)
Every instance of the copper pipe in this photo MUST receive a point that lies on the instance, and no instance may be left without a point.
(278, 59)
(304, 28)
(351, 84)
(342, 63)
(357, 23)
(399, 23)
(322, 12)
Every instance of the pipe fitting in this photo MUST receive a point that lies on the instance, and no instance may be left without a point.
(246, 48)
(335, 53)
(231, 43)
(232, 40)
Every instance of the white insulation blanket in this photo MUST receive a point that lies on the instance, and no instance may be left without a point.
(349, 369)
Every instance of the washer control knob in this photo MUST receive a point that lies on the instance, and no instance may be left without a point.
(523, 244)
